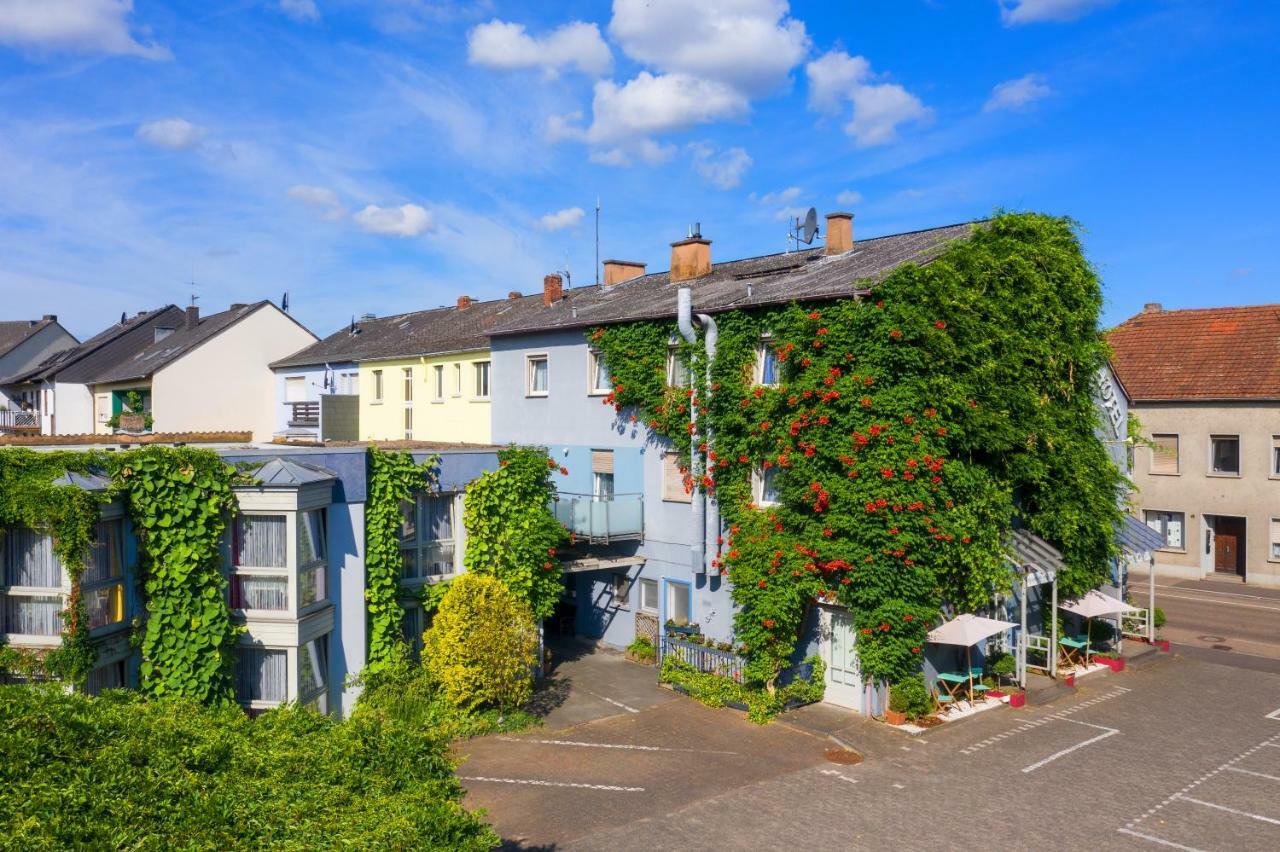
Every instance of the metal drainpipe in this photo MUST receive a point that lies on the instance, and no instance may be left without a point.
(710, 336)
(698, 546)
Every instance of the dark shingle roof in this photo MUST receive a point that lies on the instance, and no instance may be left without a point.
(160, 353)
(807, 275)
(105, 349)
(433, 332)
(1205, 353)
(13, 332)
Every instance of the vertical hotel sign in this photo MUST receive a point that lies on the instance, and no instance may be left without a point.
(1111, 402)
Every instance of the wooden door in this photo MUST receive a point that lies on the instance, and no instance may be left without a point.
(1228, 541)
(844, 677)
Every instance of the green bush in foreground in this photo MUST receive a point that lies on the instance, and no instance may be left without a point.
(122, 771)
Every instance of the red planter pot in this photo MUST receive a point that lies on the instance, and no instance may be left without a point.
(1163, 645)
(1069, 680)
(996, 693)
(893, 717)
(1017, 699)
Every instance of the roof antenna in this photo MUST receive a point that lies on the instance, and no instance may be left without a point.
(597, 241)
(803, 231)
(284, 302)
(124, 317)
(568, 276)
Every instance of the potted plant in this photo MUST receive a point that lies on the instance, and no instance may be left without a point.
(685, 629)
(896, 714)
(908, 700)
(642, 651)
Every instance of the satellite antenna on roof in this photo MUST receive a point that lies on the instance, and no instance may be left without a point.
(803, 231)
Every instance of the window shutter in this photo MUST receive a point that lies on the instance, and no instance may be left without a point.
(1164, 454)
(673, 480)
(602, 461)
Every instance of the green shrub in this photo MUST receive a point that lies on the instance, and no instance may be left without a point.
(715, 690)
(1003, 664)
(911, 696)
(642, 650)
(1158, 618)
(124, 772)
(482, 645)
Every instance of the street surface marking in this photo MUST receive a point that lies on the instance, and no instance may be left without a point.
(1053, 717)
(1108, 732)
(1274, 714)
(1229, 810)
(611, 701)
(614, 745)
(539, 783)
(838, 774)
(1255, 774)
(1224, 603)
(1211, 592)
(1159, 840)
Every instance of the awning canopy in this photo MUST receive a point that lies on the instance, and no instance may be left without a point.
(1136, 539)
(1096, 604)
(967, 629)
(1031, 555)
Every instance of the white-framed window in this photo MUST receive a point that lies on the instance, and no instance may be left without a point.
(260, 559)
(621, 590)
(313, 557)
(262, 675)
(673, 490)
(295, 389)
(602, 474)
(313, 668)
(1224, 455)
(438, 375)
(677, 366)
(482, 379)
(408, 424)
(1275, 455)
(457, 379)
(679, 602)
(102, 583)
(536, 368)
(648, 595)
(33, 578)
(102, 402)
(428, 541)
(767, 372)
(764, 486)
(407, 375)
(348, 383)
(377, 386)
(1275, 540)
(1164, 454)
(598, 382)
(1170, 525)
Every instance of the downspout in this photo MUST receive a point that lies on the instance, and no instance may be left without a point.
(712, 535)
(697, 499)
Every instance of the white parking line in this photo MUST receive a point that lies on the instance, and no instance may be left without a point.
(1109, 732)
(1159, 840)
(1255, 774)
(1229, 810)
(1222, 603)
(625, 746)
(1212, 592)
(611, 701)
(837, 774)
(1274, 714)
(1060, 716)
(540, 783)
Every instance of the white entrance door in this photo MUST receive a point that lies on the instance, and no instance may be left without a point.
(844, 678)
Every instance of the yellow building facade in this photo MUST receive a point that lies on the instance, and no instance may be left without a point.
(427, 398)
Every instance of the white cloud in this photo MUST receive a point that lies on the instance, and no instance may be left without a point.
(849, 198)
(652, 104)
(561, 219)
(566, 126)
(176, 134)
(749, 45)
(504, 45)
(645, 150)
(89, 26)
(721, 169)
(1015, 94)
(878, 110)
(1015, 12)
(782, 196)
(407, 220)
(324, 200)
(300, 10)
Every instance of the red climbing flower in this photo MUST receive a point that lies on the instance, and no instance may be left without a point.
(939, 324)
(895, 334)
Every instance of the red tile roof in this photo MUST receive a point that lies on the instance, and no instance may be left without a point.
(1201, 354)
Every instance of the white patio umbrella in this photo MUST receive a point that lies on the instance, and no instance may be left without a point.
(1093, 605)
(968, 630)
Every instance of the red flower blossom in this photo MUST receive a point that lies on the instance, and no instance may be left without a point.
(866, 402)
(828, 532)
(768, 622)
(895, 334)
(915, 650)
(762, 584)
(822, 330)
(939, 324)
(813, 315)
(564, 471)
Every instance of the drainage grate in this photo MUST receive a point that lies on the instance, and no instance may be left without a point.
(844, 756)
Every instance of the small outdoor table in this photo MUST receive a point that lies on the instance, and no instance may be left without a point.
(953, 683)
(1075, 651)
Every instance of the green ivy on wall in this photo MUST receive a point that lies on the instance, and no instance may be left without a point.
(394, 478)
(512, 533)
(907, 431)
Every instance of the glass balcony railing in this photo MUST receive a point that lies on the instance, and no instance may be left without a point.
(601, 520)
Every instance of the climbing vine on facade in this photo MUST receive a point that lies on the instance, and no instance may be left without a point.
(512, 533)
(906, 432)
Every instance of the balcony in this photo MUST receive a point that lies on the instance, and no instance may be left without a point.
(20, 422)
(304, 415)
(601, 520)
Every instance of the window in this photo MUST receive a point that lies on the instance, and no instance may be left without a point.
(103, 405)
(1169, 524)
(348, 383)
(766, 363)
(259, 542)
(295, 389)
(312, 557)
(649, 595)
(408, 384)
(482, 379)
(1275, 539)
(110, 676)
(408, 424)
(598, 373)
(1224, 454)
(536, 383)
(31, 565)
(262, 674)
(377, 386)
(102, 583)
(602, 474)
(677, 367)
(457, 380)
(439, 382)
(764, 485)
(412, 628)
(678, 604)
(1164, 455)
(313, 667)
(1275, 455)
(427, 543)
(673, 480)
(621, 590)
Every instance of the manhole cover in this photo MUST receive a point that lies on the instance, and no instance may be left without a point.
(845, 756)
(1212, 639)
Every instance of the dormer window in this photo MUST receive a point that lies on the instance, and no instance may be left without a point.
(163, 331)
(767, 372)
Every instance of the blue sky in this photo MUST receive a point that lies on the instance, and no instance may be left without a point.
(390, 155)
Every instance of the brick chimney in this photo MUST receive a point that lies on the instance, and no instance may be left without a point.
(513, 295)
(690, 258)
(50, 317)
(617, 271)
(464, 302)
(1152, 308)
(552, 289)
(839, 233)
(193, 316)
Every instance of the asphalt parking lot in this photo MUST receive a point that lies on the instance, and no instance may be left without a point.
(1179, 754)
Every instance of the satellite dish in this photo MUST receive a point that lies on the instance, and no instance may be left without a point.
(809, 228)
